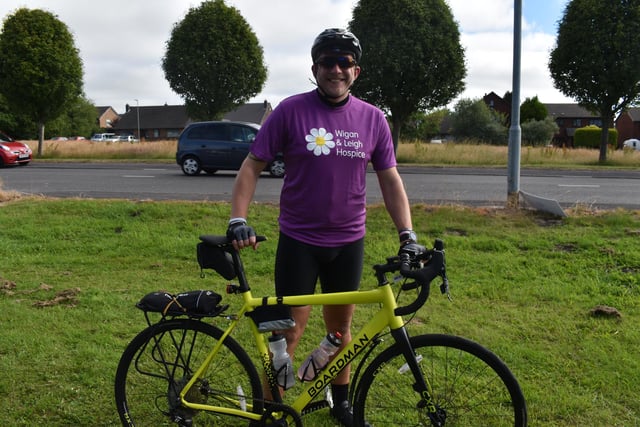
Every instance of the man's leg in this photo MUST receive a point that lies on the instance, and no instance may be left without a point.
(337, 318)
(292, 335)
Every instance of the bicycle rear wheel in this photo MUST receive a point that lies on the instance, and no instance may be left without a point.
(470, 386)
(159, 362)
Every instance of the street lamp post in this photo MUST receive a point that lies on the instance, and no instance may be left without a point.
(138, 116)
(515, 132)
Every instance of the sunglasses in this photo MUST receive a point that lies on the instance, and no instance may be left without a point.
(343, 62)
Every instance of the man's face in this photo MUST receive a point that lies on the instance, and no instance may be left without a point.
(335, 73)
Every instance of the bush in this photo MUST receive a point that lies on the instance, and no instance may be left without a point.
(538, 132)
(473, 119)
(589, 137)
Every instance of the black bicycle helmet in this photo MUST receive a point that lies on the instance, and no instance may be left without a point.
(337, 40)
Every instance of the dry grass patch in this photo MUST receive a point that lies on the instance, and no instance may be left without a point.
(82, 150)
(8, 195)
(469, 154)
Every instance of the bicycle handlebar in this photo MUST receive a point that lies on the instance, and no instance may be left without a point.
(410, 268)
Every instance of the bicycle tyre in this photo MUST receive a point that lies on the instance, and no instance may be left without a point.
(469, 383)
(162, 358)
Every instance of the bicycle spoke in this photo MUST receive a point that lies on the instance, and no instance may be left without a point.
(467, 390)
(158, 365)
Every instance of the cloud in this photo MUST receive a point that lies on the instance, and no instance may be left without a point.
(122, 42)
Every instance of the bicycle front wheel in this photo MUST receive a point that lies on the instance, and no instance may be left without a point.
(161, 360)
(470, 386)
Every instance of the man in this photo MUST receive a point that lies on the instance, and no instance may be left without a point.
(327, 138)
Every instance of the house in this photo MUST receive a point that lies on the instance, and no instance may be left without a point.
(107, 116)
(152, 122)
(570, 117)
(167, 121)
(253, 113)
(496, 103)
(628, 125)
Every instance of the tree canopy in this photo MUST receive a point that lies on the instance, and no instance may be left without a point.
(213, 60)
(79, 119)
(473, 119)
(596, 60)
(412, 57)
(532, 109)
(41, 71)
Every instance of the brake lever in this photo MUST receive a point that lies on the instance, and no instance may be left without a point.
(444, 287)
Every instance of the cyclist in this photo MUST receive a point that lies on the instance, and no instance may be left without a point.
(327, 137)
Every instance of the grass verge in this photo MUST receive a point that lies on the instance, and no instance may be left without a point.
(449, 154)
(523, 285)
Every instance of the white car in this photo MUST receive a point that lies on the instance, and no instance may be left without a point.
(104, 137)
(127, 138)
(632, 143)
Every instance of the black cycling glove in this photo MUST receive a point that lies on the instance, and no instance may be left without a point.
(409, 243)
(239, 230)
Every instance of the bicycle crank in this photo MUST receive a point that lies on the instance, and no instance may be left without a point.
(280, 415)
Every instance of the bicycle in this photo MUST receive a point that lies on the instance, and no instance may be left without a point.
(184, 370)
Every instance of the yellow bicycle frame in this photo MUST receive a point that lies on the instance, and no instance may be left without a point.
(384, 317)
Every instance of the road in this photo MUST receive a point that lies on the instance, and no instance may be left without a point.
(466, 186)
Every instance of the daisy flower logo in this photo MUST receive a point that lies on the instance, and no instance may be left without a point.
(320, 141)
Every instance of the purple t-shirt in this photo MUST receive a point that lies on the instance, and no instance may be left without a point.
(326, 151)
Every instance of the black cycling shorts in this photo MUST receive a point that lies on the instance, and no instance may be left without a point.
(300, 265)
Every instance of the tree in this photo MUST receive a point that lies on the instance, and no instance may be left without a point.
(596, 60)
(423, 125)
(213, 60)
(473, 119)
(412, 59)
(539, 132)
(41, 70)
(533, 109)
(79, 119)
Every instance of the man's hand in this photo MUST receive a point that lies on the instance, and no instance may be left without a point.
(241, 235)
(409, 243)
(411, 248)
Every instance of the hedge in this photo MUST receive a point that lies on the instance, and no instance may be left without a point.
(589, 137)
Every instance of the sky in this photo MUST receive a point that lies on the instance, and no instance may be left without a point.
(122, 42)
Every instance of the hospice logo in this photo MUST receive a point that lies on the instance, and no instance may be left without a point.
(346, 144)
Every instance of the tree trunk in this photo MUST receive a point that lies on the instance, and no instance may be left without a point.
(604, 136)
(40, 138)
(395, 133)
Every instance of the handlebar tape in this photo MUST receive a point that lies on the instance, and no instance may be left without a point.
(423, 278)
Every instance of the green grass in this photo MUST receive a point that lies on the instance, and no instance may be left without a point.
(522, 284)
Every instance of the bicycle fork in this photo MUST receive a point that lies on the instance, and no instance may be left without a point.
(436, 415)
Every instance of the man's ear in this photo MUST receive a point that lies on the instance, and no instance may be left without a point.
(314, 69)
(356, 72)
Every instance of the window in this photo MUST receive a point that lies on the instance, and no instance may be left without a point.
(213, 131)
(243, 133)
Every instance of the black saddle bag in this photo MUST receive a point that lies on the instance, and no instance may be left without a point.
(192, 303)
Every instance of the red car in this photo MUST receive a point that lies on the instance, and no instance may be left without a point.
(14, 152)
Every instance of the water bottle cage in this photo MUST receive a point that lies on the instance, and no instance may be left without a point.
(277, 375)
(311, 364)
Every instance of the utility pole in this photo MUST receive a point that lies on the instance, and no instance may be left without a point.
(515, 132)
(138, 114)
